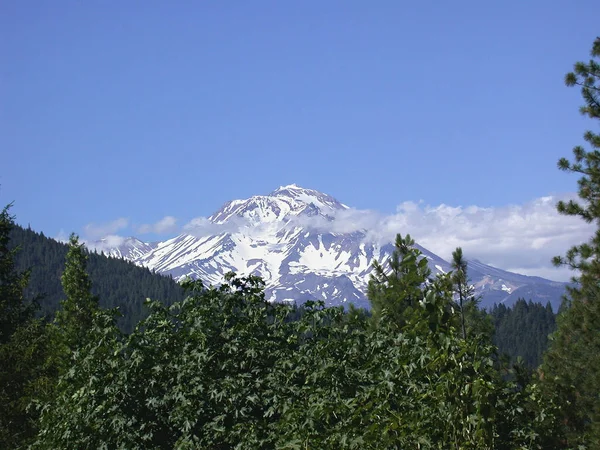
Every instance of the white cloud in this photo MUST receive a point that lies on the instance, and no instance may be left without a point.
(113, 240)
(520, 238)
(201, 226)
(62, 236)
(550, 272)
(106, 244)
(97, 231)
(167, 224)
(342, 221)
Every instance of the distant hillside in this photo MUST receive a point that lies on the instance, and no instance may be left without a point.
(117, 282)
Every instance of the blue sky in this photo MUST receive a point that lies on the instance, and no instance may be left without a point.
(142, 110)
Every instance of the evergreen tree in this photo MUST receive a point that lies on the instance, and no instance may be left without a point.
(15, 311)
(395, 286)
(585, 257)
(572, 365)
(474, 322)
(522, 330)
(24, 346)
(459, 277)
(25, 378)
(77, 313)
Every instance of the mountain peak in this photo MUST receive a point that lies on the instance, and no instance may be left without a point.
(293, 190)
(307, 196)
(289, 186)
(283, 202)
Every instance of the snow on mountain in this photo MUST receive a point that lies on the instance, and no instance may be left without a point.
(274, 236)
(279, 206)
(130, 248)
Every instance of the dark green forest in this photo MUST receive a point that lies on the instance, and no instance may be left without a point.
(522, 330)
(116, 282)
(221, 367)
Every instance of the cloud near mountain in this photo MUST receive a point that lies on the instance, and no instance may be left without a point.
(519, 238)
(98, 231)
(167, 224)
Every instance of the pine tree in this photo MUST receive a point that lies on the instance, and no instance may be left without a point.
(24, 346)
(15, 310)
(459, 277)
(586, 257)
(396, 289)
(522, 330)
(77, 314)
(572, 365)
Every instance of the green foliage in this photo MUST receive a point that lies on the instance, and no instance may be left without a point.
(227, 369)
(34, 353)
(395, 287)
(91, 364)
(75, 317)
(15, 310)
(571, 368)
(23, 347)
(461, 282)
(25, 377)
(585, 257)
(475, 323)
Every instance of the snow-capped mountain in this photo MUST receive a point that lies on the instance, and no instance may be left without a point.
(130, 248)
(285, 237)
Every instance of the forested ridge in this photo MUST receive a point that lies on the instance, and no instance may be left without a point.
(224, 368)
(116, 282)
